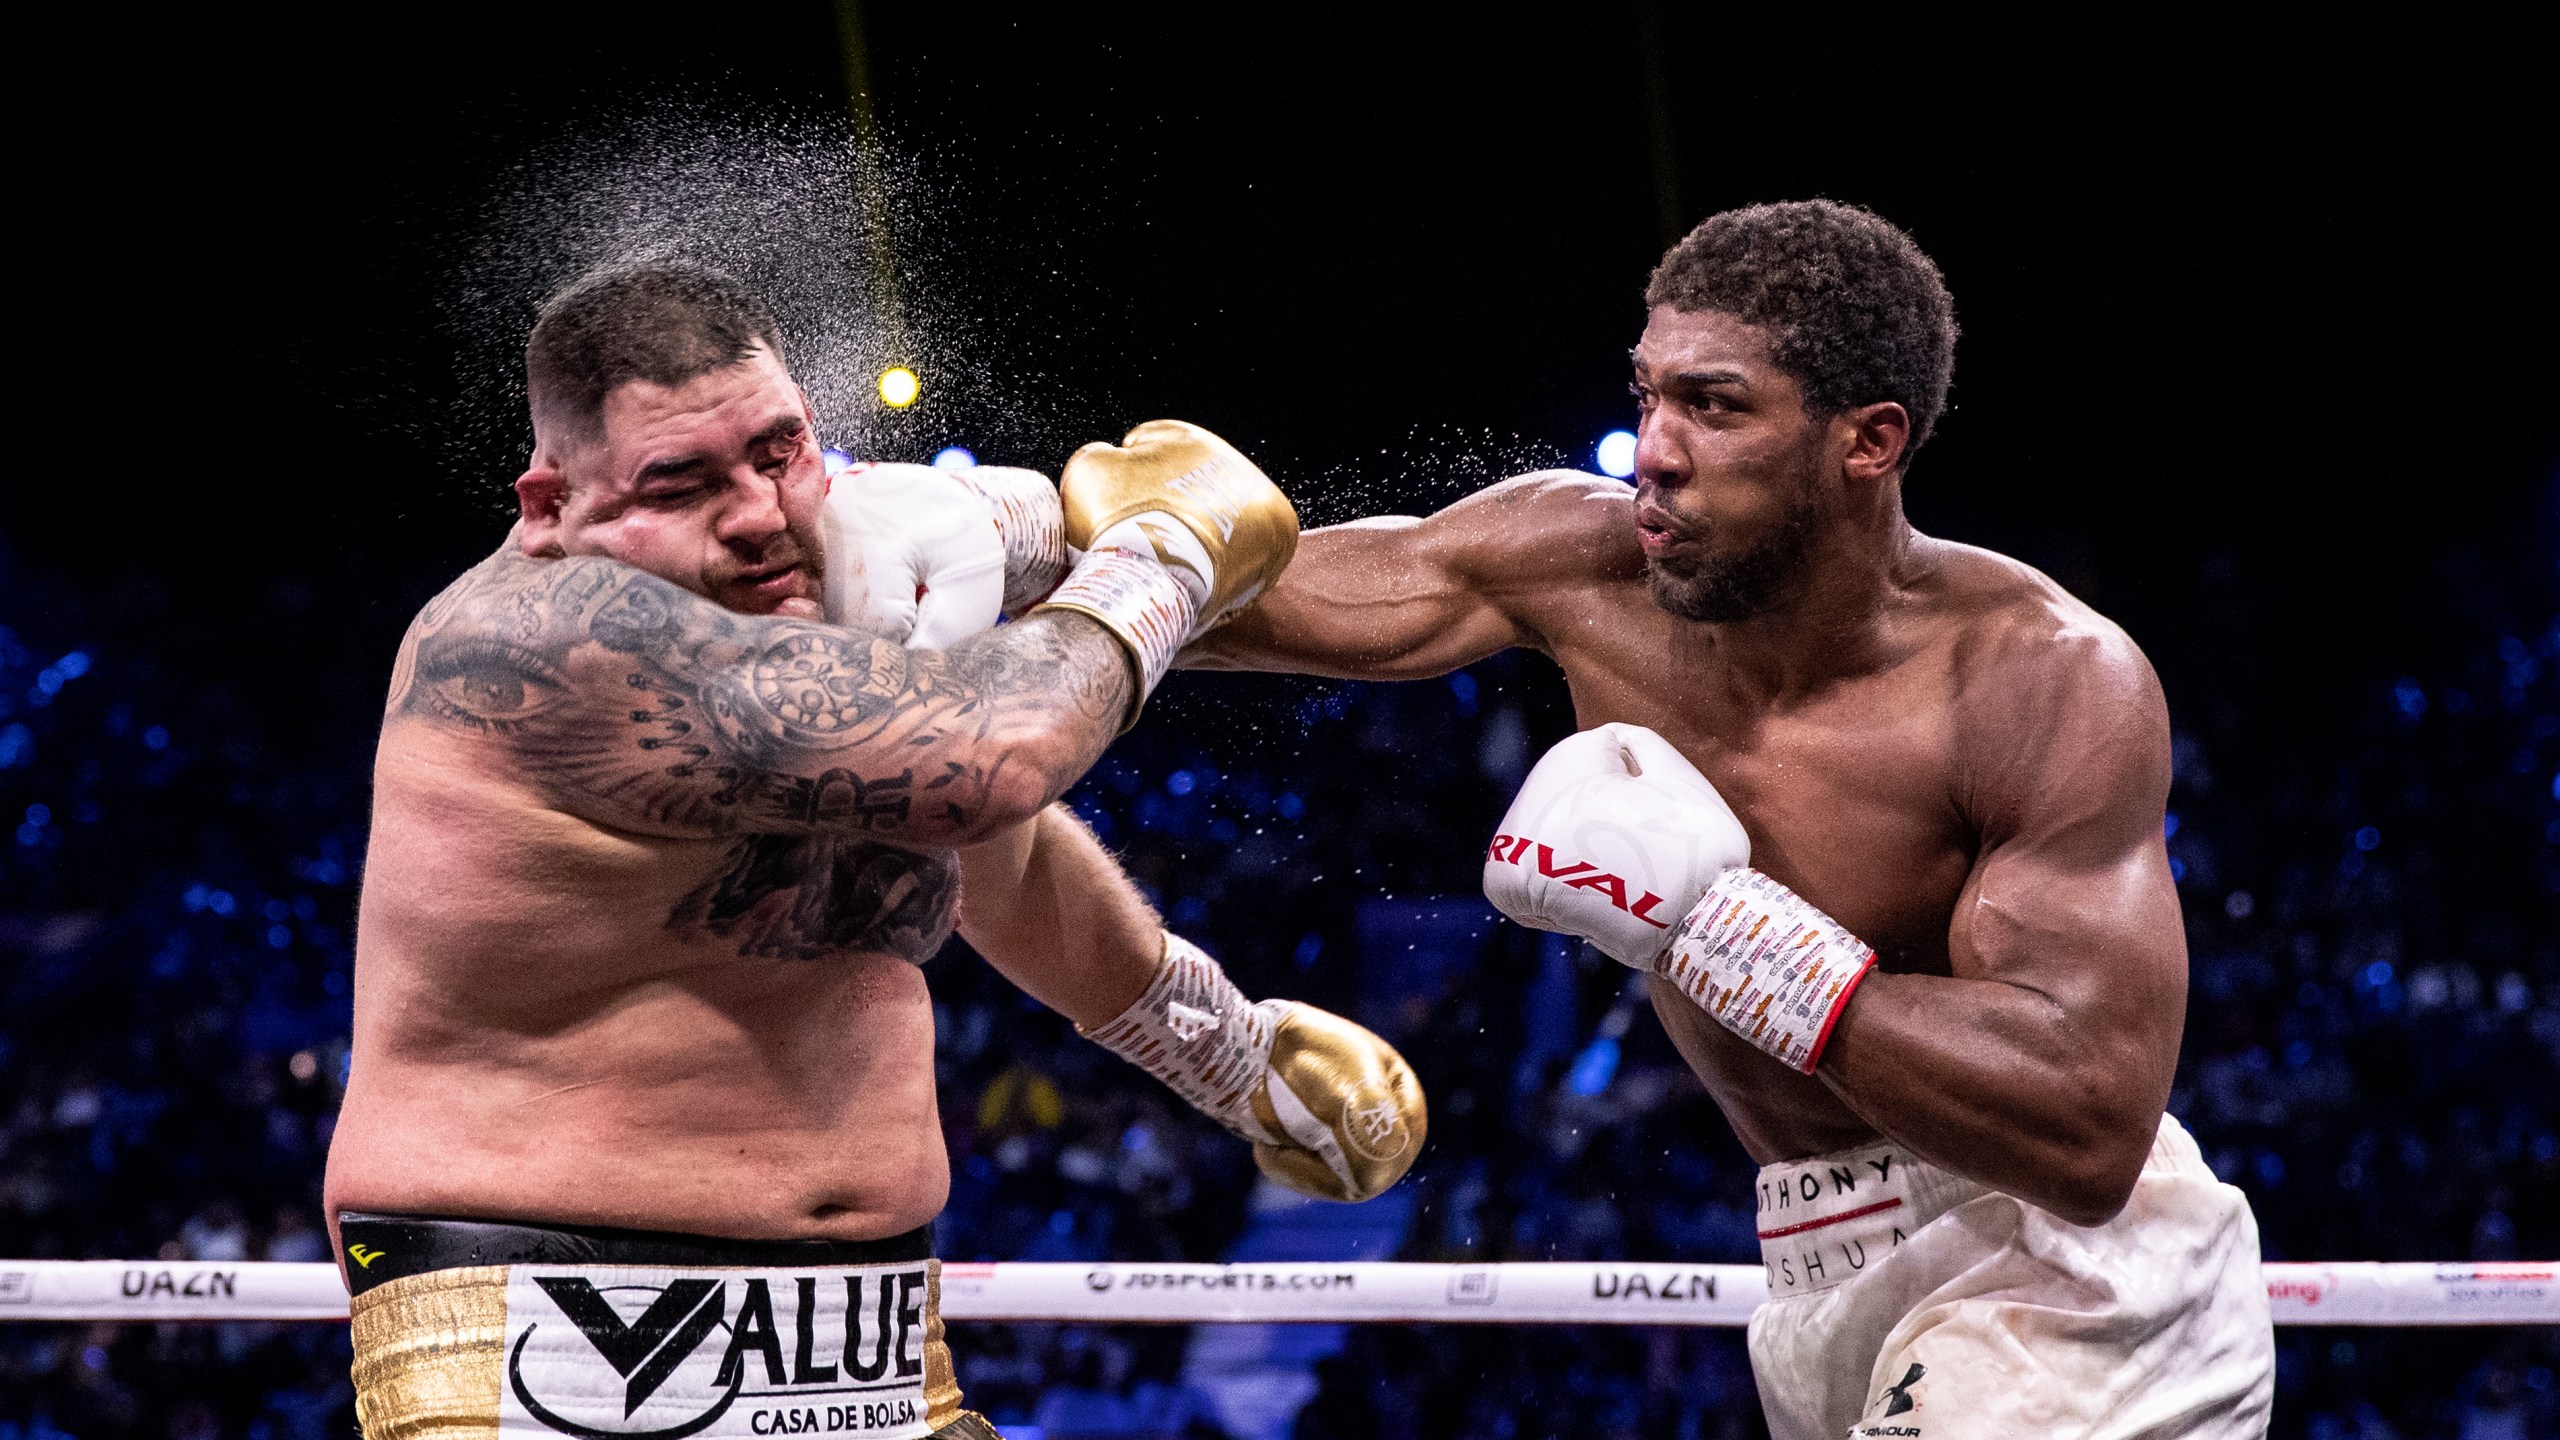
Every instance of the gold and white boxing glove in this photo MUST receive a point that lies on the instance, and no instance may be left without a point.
(1175, 531)
(1332, 1110)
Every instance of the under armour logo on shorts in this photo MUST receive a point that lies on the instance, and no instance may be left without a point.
(1897, 1397)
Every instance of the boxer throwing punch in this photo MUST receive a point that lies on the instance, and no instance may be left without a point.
(640, 1134)
(1881, 816)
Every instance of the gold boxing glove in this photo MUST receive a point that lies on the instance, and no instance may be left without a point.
(1174, 531)
(1332, 1110)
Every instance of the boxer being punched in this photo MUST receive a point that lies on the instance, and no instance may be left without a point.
(1882, 816)
(640, 1134)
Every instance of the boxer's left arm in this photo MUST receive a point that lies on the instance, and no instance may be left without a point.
(2041, 1064)
(1332, 1111)
(1053, 913)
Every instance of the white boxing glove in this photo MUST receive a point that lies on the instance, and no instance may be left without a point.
(1613, 837)
(1617, 838)
(929, 557)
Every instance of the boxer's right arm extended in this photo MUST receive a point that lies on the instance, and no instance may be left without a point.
(1398, 598)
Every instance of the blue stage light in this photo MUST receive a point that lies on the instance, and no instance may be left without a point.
(952, 457)
(1617, 453)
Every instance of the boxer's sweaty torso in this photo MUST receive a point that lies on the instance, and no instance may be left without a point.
(561, 1021)
(1850, 797)
(1858, 789)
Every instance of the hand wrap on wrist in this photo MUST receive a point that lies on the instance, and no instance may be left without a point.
(1332, 1110)
(1146, 604)
(1176, 498)
(1767, 965)
(1195, 1031)
(1032, 525)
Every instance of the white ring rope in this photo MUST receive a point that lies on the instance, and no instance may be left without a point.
(1551, 1293)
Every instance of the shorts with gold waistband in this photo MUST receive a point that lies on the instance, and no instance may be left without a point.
(491, 1328)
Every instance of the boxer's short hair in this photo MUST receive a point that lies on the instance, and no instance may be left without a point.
(664, 321)
(1855, 312)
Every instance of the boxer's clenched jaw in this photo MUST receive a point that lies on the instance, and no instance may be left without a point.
(1734, 472)
(712, 484)
(1729, 467)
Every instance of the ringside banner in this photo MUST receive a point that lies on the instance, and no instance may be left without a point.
(1554, 1293)
(169, 1290)
(1518, 1294)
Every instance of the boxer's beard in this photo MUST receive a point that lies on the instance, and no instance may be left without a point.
(1720, 589)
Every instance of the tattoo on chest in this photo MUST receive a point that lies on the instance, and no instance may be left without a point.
(806, 898)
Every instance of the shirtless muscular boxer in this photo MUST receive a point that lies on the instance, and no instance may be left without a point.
(1881, 814)
(640, 1135)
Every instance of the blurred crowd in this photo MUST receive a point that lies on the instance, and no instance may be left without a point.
(2373, 1047)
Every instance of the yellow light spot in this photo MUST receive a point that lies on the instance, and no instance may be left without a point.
(899, 386)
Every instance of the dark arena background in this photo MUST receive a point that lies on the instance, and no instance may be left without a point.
(2257, 358)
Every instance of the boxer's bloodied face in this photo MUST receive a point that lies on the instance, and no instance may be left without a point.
(1730, 467)
(713, 485)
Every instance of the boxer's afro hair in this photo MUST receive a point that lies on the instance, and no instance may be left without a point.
(1854, 311)
(664, 321)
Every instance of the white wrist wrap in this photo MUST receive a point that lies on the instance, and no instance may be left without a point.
(1032, 525)
(1770, 967)
(1142, 599)
(1195, 1031)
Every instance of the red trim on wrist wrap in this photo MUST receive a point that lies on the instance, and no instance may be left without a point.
(1767, 965)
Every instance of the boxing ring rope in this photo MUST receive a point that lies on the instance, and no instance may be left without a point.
(1355, 1292)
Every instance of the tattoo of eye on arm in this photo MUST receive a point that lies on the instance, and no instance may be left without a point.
(651, 708)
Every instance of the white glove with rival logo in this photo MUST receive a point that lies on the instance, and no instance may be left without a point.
(1613, 837)
(1617, 838)
(929, 557)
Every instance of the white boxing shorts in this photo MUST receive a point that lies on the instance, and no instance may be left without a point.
(1910, 1303)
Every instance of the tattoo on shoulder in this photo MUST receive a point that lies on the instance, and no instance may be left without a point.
(630, 696)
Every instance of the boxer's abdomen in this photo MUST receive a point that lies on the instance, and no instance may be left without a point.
(557, 1022)
(1775, 1112)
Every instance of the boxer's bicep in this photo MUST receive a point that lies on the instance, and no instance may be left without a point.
(1398, 598)
(2041, 1064)
(2071, 898)
(636, 704)
(2098, 945)
(1054, 913)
